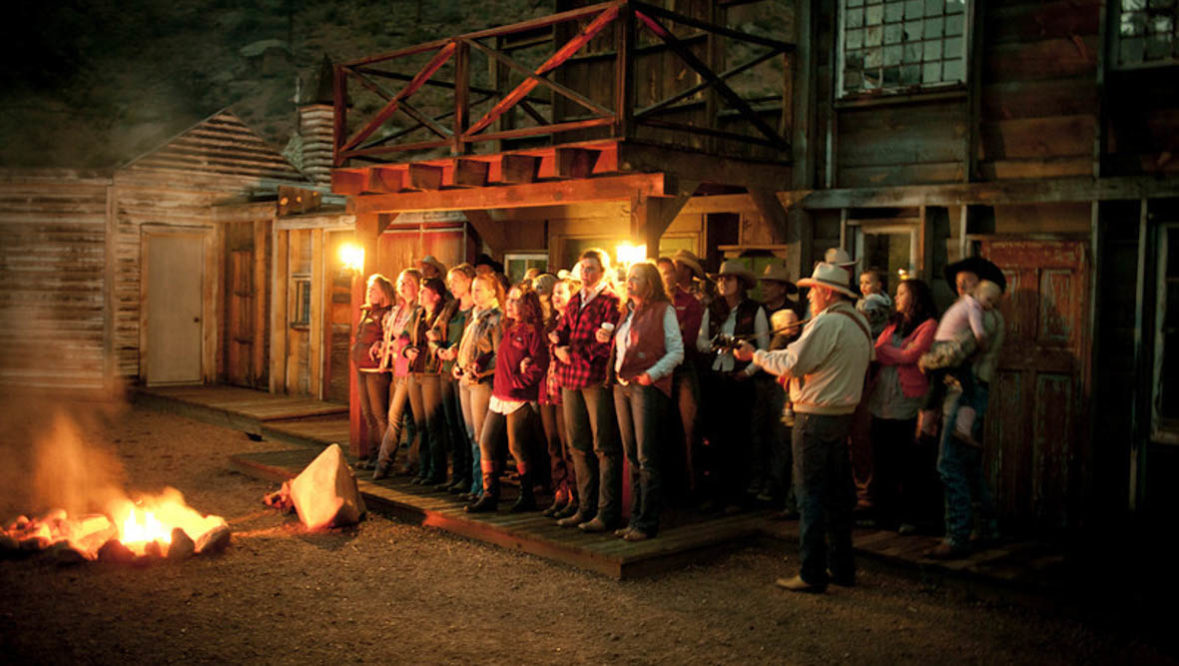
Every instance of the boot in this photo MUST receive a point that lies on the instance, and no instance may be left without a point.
(527, 499)
(560, 499)
(488, 502)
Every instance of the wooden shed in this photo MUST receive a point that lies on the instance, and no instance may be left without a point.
(156, 271)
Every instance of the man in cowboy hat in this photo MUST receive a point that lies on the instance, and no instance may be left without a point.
(688, 269)
(727, 387)
(432, 268)
(959, 462)
(826, 368)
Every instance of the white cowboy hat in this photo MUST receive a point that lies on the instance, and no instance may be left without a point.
(839, 257)
(830, 276)
(777, 273)
(738, 270)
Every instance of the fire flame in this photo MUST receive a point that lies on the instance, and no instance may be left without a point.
(152, 519)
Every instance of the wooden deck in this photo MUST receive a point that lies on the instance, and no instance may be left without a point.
(677, 545)
(297, 420)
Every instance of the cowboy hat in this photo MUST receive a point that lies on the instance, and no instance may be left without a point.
(738, 270)
(691, 261)
(983, 268)
(830, 276)
(777, 272)
(431, 260)
(839, 257)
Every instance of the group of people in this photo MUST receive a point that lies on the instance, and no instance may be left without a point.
(712, 397)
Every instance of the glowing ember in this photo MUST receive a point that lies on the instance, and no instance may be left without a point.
(137, 525)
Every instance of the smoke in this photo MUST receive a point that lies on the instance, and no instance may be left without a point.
(53, 459)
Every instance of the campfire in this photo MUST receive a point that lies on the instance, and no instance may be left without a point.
(140, 530)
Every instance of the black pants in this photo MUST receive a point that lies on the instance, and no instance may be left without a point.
(597, 451)
(510, 432)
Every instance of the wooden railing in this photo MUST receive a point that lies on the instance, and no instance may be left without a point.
(606, 107)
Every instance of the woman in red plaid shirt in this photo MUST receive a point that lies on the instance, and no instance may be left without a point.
(582, 342)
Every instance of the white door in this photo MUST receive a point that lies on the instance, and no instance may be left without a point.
(175, 265)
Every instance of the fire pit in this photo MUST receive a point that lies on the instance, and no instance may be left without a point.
(135, 531)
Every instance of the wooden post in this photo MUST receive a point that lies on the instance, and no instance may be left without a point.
(368, 227)
(462, 88)
(340, 118)
(261, 263)
(280, 259)
(624, 74)
(490, 231)
(315, 334)
(650, 217)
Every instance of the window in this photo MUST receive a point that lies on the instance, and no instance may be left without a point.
(301, 290)
(1165, 402)
(899, 46)
(516, 265)
(1147, 32)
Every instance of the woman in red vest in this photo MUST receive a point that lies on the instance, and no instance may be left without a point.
(372, 380)
(521, 361)
(648, 346)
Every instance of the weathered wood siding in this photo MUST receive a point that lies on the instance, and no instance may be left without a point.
(1038, 100)
(901, 145)
(52, 266)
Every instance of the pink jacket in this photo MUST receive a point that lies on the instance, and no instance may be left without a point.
(914, 383)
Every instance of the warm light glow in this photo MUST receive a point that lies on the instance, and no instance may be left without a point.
(352, 256)
(142, 527)
(628, 254)
(903, 273)
(153, 518)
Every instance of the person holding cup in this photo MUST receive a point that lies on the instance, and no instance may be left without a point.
(581, 346)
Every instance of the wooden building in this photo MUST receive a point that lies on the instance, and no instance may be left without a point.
(1041, 135)
(158, 271)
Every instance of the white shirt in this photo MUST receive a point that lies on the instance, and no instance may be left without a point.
(673, 345)
(724, 360)
(588, 295)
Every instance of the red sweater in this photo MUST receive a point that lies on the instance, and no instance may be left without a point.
(914, 383)
(518, 343)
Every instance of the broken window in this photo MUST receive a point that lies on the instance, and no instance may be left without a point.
(1147, 32)
(897, 46)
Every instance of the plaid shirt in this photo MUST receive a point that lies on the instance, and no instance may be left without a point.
(588, 358)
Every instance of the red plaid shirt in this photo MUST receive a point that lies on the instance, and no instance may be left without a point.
(588, 358)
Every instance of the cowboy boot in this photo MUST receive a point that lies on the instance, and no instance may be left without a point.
(488, 502)
(527, 499)
(560, 499)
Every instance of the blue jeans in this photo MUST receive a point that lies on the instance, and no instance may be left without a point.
(597, 453)
(961, 469)
(826, 496)
(641, 417)
(474, 399)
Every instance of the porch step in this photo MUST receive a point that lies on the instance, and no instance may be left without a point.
(252, 412)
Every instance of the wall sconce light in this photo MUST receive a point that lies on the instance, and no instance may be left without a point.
(628, 254)
(352, 258)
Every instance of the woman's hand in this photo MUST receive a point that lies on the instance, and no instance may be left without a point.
(602, 335)
(374, 352)
(456, 372)
(524, 365)
(562, 354)
(644, 380)
(554, 338)
(447, 354)
(432, 335)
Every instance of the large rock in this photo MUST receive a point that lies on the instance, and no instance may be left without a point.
(325, 493)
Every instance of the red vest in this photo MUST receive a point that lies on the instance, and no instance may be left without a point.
(644, 344)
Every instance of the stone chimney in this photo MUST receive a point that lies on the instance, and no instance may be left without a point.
(315, 127)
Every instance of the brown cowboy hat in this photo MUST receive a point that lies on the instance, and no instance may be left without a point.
(740, 271)
(691, 261)
(830, 276)
(777, 272)
(431, 260)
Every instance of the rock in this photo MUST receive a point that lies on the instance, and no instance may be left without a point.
(9, 547)
(325, 492)
(213, 541)
(153, 550)
(20, 523)
(182, 547)
(114, 551)
(64, 554)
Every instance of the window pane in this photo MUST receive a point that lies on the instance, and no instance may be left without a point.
(854, 39)
(933, 51)
(872, 58)
(1132, 50)
(934, 7)
(912, 31)
(952, 71)
(894, 12)
(855, 18)
(933, 28)
(855, 3)
(914, 9)
(892, 77)
(953, 25)
(913, 52)
(892, 33)
(955, 6)
(1158, 47)
(910, 75)
(892, 55)
(1133, 25)
(953, 47)
(932, 73)
(872, 38)
(1161, 25)
(1133, 5)
(874, 15)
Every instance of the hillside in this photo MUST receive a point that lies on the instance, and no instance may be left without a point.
(94, 83)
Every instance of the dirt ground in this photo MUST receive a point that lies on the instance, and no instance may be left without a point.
(392, 592)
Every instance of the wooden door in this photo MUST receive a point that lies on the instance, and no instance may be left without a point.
(399, 248)
(240, 299)
(1036, 422)
(175, 269)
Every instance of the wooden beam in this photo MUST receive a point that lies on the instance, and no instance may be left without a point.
(490, 231)
(425, 176)
(590, 190)
(519, 168)
(993, 193)
(704, 168)
(470, 173)
(385, 179)
(650, 217)
(575, 162)
(261, 294)
(280, 278)
(315, 342)
(772, 212)
(349, 181)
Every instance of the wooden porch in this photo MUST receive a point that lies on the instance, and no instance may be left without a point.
(298, 420)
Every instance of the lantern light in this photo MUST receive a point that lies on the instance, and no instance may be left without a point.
(352, 257)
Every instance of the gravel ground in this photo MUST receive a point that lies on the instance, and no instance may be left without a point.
(391, 592)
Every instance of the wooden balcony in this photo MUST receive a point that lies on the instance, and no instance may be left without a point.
(591, 78)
